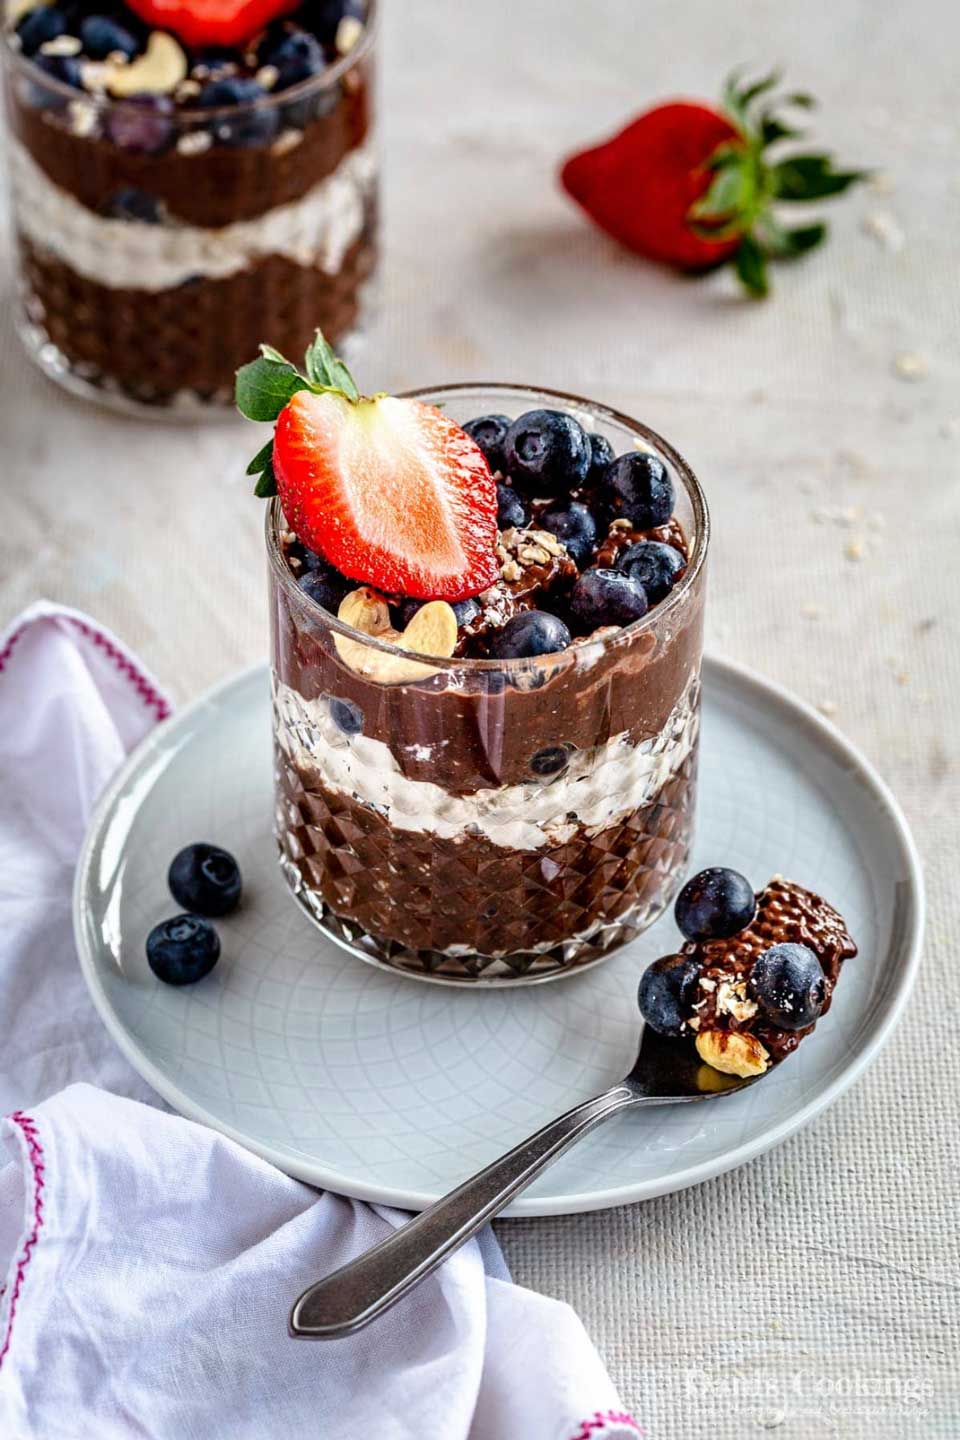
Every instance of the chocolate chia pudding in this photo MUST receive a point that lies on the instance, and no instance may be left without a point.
(177, 201)
(486, 812)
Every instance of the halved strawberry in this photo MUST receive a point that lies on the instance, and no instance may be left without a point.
(211, 22)
(391, 492)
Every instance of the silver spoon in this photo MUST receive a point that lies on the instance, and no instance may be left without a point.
(666, 1072)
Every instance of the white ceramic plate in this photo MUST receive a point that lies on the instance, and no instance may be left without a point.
(389, 1089)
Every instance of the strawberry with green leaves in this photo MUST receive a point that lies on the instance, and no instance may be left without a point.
(694, 186)
(389, 491)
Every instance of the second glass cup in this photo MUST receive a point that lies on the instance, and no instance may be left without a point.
(490, 821)
(159, 243)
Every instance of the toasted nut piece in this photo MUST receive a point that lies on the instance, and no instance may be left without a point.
(160, 69)
(432, 631)
(733, 1052)
(365, 610)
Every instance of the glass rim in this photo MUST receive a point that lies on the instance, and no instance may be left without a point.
(312, 85)
(275, 520)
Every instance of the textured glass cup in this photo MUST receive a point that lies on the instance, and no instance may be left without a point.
(490, 821)
(158, 246)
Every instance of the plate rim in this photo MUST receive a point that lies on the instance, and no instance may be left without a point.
(910, 946)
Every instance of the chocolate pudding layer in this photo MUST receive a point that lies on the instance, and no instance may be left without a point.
(479, 818)
(160, 246)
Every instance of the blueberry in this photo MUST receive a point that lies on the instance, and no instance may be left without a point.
(533, 632)
(575, 526)
(788, 983)
(40, 25)
(66, 69)
(251, 125)
(142, 124)
(325, 586)
(297, 57)
(601, 455)
(311, 560)
(546, 452)
(654, 565)
(667, 991)
(101, 36)
(182, 950)
(605, 597)
(715, 904)
(465, 611)
(133, 205)
(323, 17)
(216, 58)
(551, 761)
(346, 716)
(511, 510)
(489, 433)
(206, 879)
(636, 487)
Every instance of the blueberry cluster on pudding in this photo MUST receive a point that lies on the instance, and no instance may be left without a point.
(756, 972)
(486, 641)
(188, 177)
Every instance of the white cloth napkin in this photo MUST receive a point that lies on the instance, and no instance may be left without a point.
(148, 1264)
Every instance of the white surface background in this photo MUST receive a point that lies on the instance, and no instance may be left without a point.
(814, 1290)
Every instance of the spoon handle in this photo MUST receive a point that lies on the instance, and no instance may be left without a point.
(356, 1294)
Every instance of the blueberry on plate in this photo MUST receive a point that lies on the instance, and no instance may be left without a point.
(297, 57)
(546, 452)
(574, 526)
(551, 761)
(511, 511)
(606, 597)
(325, 586)
(788, 984)
(637, 487)
(488, 432)
(715, 904)
(346, 716)
(100, 36)
(668, 989)
(252, 124)
(655, 565)
(133, 206)
(142, 124)
(40, 25)
(601, 455)
(182, 950)
(205, 879)
(533, 632)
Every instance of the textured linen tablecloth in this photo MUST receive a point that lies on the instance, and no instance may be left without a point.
(815, 1291)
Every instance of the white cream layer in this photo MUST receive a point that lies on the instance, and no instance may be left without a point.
(318, 229)
(598, 787)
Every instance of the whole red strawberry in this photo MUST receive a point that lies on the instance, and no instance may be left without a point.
(692, 185)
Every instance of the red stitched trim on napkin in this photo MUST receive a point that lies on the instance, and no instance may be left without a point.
(590, 1429)
(35, 1152)
(141, 684)
(150, 697)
